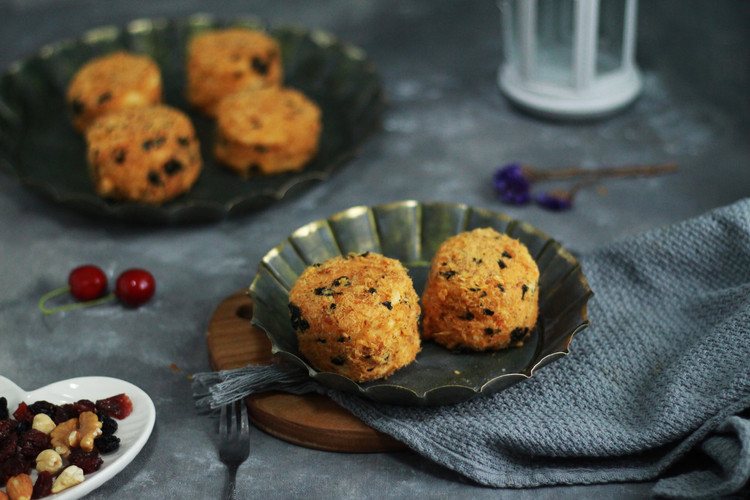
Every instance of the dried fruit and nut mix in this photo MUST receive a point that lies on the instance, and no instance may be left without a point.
(61, 442)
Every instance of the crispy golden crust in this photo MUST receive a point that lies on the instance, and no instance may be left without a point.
(223, 61)
(143, 154)
(111, 83)
(267, 131)
(481, 292)
(356, 316)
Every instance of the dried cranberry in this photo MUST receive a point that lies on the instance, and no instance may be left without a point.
(87, 282)
(84, 405)
(89, 461)
(8, 447)
(32, 443)
(107, 444)
(43, 485)
(23, 412)
(119, 406)
(6, 428)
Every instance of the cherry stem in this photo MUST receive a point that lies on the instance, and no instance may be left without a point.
(68, 307)
(598, 173)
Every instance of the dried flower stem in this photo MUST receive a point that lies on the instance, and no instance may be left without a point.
(535, 175)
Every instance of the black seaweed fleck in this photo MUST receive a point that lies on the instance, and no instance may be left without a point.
(488, 312)
(298, 323)
(153, 143)
(325, 291)
(518, 334)
(342, 339)
(154, 178)
(524, 289)
(448, 274)
(501, 264)
(338, 360)
(183, 141)
(172, 167)
(468, 316)
(322, 341)
(483, 294)
(372, 290)
(489, 331)
(118, 155)
(77, 106)
(332, 307)
(104, 98)
(507, 255)
(341, 281)
(476, 261)
(259, 65)
(500, 286)
(475, 289)
(387, 304)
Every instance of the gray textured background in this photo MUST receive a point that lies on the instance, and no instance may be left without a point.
(446, 128)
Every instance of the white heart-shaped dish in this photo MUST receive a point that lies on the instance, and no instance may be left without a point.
(133, 431)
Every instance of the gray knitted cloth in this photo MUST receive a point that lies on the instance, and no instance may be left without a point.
(660, 378)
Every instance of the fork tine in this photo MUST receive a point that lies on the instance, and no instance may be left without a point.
(223, 420)
(244, 423)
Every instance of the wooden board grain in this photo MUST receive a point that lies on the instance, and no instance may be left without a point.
(310, 420)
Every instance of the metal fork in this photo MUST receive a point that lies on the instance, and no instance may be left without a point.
(234, 435)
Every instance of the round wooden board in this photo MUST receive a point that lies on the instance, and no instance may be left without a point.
(310, 420)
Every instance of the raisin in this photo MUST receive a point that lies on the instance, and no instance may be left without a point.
(154, 178)
(23, 412)
(4, 414)
(501, 264)
(259, 65)
(43, 485)
(524, 289)
(489, 312)
(172, 167)
(298, 323)
(32, 443)
(45, 407)
(77, 106)
(338, 360)
(107, 444)
(65, 412)
(109, 424)
(448, 274)
(183, 141)
(104, 98)
(118, 155)
(387, 304)
(153, 143)
(119, 406)
(89, 461)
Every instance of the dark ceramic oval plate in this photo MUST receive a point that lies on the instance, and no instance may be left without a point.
(411, 232)
(39, 146)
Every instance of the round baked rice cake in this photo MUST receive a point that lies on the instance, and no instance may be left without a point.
(143, 154)
(221, 62)
(481, 292)
(356, 316)
(267, 131)
(111, 83)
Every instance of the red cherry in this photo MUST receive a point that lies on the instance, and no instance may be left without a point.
(135, 287)
(87, 282)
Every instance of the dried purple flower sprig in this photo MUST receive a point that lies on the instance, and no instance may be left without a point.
(513, 182)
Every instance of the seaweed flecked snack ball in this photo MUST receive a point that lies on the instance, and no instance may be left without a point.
(143, 154)
(356, 316)
(111, 83)
(221, 62)
(481, 292)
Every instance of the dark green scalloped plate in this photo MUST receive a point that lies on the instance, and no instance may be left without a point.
(411, 232)
(40, 148)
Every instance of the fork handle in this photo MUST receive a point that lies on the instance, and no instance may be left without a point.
(229, 492)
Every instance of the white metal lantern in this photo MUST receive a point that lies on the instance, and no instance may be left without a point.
(569, 58)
